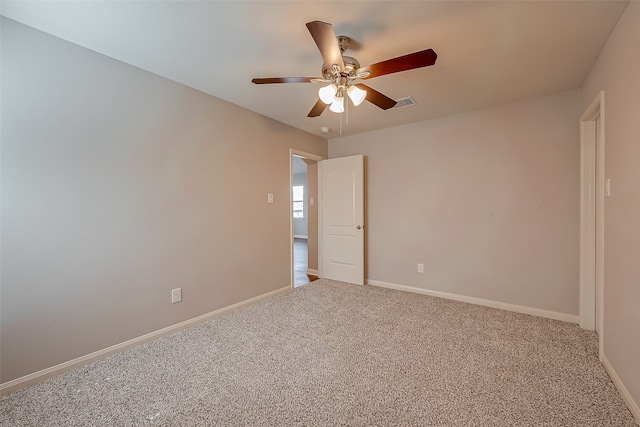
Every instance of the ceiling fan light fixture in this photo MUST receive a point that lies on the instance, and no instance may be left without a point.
(337, 106)
(328, 93)
(339, 71)
(357, 95)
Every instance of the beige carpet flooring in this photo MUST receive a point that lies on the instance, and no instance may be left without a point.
(331, 353)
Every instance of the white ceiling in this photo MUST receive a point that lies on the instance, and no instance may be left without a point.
(489, 52)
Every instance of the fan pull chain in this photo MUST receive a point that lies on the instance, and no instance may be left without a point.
(346, 101)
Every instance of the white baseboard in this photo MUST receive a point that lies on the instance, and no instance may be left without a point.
(42, 375)
(626, 396)
(312, 272)
(571, 318)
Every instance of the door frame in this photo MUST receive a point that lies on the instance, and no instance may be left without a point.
(592, 184)
(304, 155)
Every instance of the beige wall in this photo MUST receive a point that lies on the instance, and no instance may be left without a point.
(488, 201)
(617, 72)
(119, 185)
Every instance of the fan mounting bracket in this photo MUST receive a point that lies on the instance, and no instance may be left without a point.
(343, 43)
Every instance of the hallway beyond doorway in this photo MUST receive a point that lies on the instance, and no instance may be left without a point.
(300, 257)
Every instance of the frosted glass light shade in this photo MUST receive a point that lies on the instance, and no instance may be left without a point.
(327, 93)
(337, 106)
(357, 95)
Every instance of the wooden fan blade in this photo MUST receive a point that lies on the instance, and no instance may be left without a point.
(377, 98)
(411, 61)
(268, 80)
(317, 109)
(325, 38)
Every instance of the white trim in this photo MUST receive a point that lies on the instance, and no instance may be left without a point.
(565, 317)
(587, 225)
(600, 180)
(311, 272)
(592, 217)
(320, 220)
(626, 396)
(42, 375)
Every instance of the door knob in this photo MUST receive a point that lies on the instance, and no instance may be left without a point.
(358, 227)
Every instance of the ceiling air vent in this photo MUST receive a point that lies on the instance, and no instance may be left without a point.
(404, 102)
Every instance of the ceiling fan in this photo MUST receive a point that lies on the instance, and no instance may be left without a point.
(342, 71)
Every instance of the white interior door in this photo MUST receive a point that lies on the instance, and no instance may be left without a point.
(341, 254)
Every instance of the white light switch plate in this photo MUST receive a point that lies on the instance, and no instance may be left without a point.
(270, 198)
(176, 295)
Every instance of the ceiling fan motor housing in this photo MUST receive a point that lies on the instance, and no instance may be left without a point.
(351, 65)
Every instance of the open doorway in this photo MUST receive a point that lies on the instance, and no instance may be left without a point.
(304, 217)
(300, 211)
